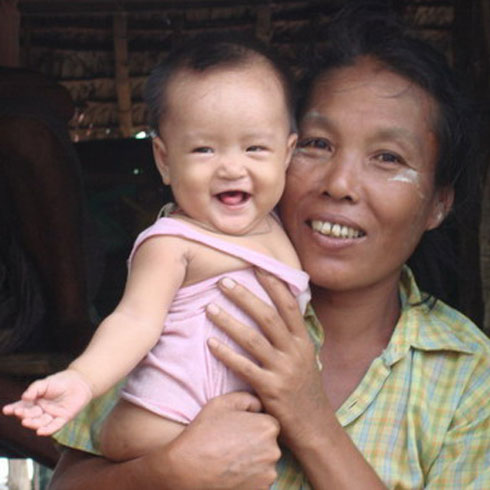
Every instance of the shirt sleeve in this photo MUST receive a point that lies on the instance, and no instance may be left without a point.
(464, 459)
(82, 432)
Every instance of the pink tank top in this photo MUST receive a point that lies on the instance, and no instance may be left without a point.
(179, 375)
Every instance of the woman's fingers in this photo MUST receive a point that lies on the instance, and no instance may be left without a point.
(246, 369)
(251, 340)
(285, 302)
(264, 315)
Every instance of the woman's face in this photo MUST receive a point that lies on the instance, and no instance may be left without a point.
(360, 189)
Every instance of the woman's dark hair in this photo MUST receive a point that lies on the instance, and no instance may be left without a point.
(206, 52)
(370, 29)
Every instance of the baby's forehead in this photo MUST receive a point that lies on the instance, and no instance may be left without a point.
(255, 75)
(254, 64)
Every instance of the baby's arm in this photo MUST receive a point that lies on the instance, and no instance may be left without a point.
(158, 269)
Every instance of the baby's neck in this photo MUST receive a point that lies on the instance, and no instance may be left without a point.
(263, 227)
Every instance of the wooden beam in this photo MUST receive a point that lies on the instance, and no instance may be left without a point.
(33, 7)
(484, 88)
(9, 34)
(123, 82)
(465, 55)
(30, 366)
(263, 25)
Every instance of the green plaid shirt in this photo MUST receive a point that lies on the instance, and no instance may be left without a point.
(420, 416)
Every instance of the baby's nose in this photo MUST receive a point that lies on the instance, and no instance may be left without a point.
(232, 168)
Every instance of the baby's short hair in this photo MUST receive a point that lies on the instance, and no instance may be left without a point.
(206, 52)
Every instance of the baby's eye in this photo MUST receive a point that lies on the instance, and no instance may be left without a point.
(202, 149)
(314, 143)
(256, 148)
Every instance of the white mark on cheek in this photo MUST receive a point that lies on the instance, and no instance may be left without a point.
(409, 176)
(313, 114)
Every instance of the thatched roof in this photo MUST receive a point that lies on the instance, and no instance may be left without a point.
(74, 43)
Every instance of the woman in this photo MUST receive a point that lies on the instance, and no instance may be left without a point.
(401, 399)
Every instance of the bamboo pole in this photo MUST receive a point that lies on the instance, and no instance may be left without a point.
(465, 45)
(123, 82)
(484, 17)
(18, 478)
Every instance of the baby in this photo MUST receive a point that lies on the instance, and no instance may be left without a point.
(222, 115)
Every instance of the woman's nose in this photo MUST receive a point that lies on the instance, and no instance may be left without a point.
(341, 177)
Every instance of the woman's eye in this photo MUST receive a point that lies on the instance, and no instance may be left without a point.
(390, 158)
(202, 149)
(314, 143)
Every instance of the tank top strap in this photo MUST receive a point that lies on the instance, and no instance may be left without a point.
(296, 278)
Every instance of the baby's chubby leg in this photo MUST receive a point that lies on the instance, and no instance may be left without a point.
(130, 431)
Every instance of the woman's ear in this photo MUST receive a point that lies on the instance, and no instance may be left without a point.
(291, 145)
(443, 202)
(160, 157)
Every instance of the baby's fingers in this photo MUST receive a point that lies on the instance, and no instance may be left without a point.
(29, 412)
(22, 409)
(35, 390)
(55, 425)
(9, 409)
(37, 422)
(44, 425)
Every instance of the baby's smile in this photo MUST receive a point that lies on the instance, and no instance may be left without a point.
(234, 197)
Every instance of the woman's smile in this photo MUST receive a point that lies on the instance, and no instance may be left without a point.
(335, 230)
(360, 189)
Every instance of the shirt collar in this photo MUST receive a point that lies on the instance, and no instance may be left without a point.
(315, 328)
(422, 325)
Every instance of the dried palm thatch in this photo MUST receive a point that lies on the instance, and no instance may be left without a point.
(103, 51)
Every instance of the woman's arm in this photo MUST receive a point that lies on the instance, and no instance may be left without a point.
(229, 445)
(289, 384)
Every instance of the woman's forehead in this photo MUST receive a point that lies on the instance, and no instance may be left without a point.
(370, 85)
(367, 105)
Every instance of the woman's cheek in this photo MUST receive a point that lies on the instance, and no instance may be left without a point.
(302, 170)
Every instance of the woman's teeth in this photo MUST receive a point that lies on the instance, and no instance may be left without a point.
(335, 230)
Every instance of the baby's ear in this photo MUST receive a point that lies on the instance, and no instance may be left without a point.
(160, 157)
(291, 145)
(443, 203)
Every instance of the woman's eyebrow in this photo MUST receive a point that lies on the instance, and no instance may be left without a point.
(402, 136)
(316, 116)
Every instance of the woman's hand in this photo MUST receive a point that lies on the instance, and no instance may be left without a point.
(289, 384)
(230, 445)
(287, 378)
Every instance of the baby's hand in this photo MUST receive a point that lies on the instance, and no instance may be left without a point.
(49, 403)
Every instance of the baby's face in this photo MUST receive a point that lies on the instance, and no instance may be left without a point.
(225, 144)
